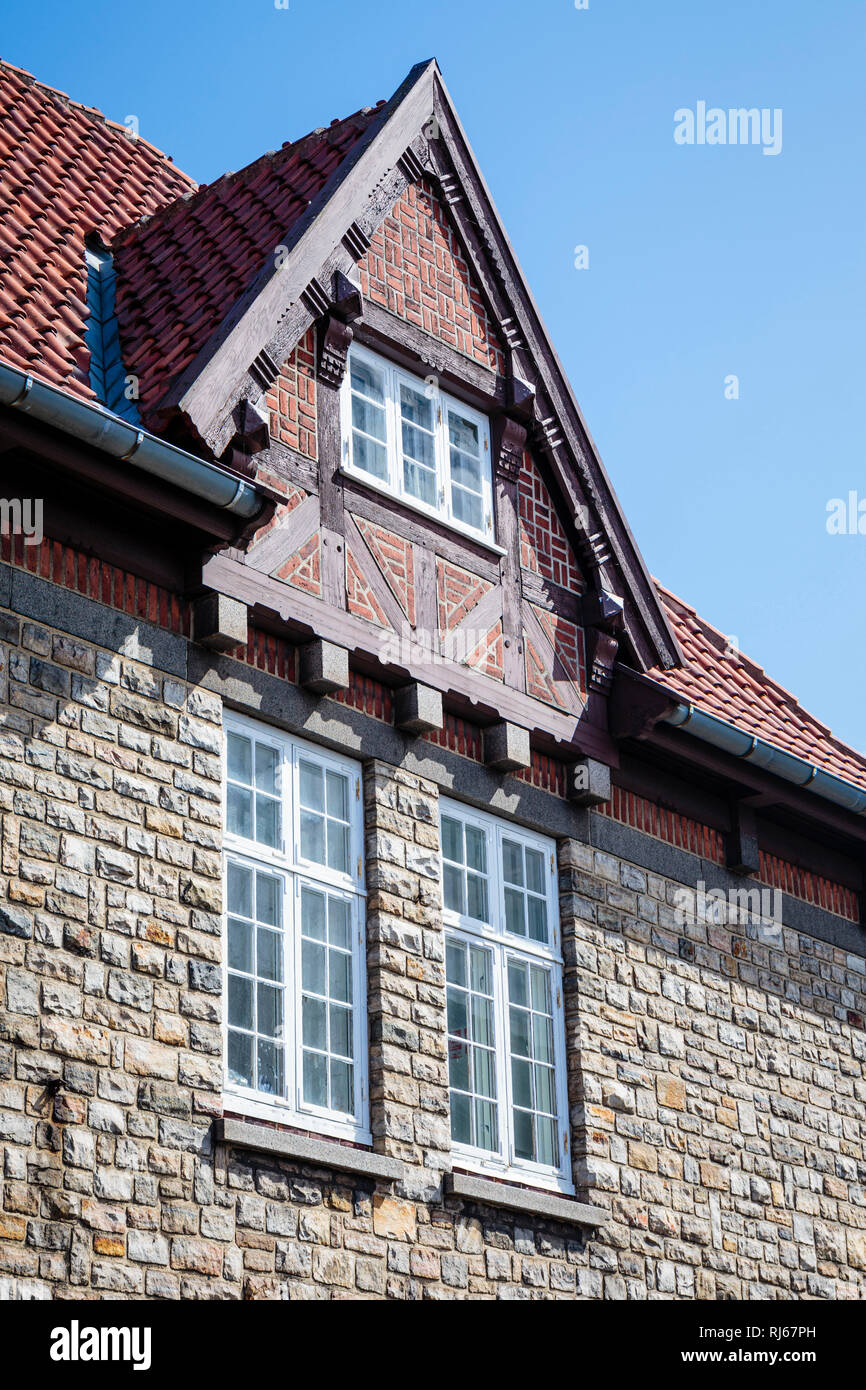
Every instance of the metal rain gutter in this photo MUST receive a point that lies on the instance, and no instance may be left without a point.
(731, 740)
(95, 425)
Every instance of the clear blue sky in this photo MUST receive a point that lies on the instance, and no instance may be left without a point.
(703, 261)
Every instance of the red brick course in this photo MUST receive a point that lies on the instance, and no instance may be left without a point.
(396, 558)
(292, 399)
(543, 544)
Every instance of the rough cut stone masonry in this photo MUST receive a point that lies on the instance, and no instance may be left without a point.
(716, 1085)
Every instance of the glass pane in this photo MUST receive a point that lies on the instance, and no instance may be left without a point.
(462, 433)
(540, 988)
(461, 1118)
(239, 759)
(523, 1134)
(240, 1059)
(313, 914)
(266, 768)
(312, 837)
(537, 912)
(520, 1033)
(521, 1082)
(240, 891)
(517, 992)
(368, 418)
(542, 1039)
(535, 871)
(315, 1078)
(458, 1018)
(544, 1095)
(314, 1023)
(546, 1147)
(269, 957)
(452, 888)
(268, 899)
(476, 849)
(240, 1002)
(514, 912)
(240, 952)
(270, 1011)
(485, 1124)
(371, 458)
(482, 1020)
(458, 1065)
(466, 471)
(313, 968)
(418, 445)
(452, 839)
(419, 482)
(338, 846)
(341, 1087)
(467, 508)
(337, 786)
(312, 790)
(484, 1075)
(367, 379)
(476, 906)
(239, 812)
(512, 862)
(455, 963)
(416, 407)
(338, 922)
(340, 983)
(267, 821)
(481, 970)
(270, 1068)
(341, 1031)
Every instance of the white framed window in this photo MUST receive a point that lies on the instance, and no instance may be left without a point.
(295, 1018)
(503, 972)
(405, 436)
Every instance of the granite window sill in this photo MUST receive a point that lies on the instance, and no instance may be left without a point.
(522, 1199)
(323, 1153)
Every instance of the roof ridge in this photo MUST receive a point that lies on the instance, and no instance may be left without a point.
(288, 147)
(755, 668)
(93, 112)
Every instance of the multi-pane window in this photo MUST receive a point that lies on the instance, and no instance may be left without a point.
(294, 987)
(503, 973)
(403, 434)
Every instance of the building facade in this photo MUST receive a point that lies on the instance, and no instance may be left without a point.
(401, 895)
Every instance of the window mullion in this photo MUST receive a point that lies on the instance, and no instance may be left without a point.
(395, 447)
(503, 1055)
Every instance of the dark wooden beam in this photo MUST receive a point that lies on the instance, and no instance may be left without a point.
(741, 841)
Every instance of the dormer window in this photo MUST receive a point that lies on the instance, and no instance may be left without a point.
(404, 435)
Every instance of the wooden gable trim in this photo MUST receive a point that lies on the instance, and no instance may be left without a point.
(350, 205)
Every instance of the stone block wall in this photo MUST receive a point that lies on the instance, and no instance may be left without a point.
(716, 1085)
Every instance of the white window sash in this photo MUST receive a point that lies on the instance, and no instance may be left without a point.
(443, 510)
(504, 944)
(292, 870)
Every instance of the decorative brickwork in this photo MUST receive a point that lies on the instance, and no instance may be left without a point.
(543, 544)
(458, 593)
(396, 560)
(292, 399)
(487, 656)
(360, 598)
(415, 267)
(304, 568)
(568, 644)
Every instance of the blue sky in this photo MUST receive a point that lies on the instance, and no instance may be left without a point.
(704, 261)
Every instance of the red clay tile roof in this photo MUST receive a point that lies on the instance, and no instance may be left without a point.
(64, 171)
(180, 272)
(740, 692)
